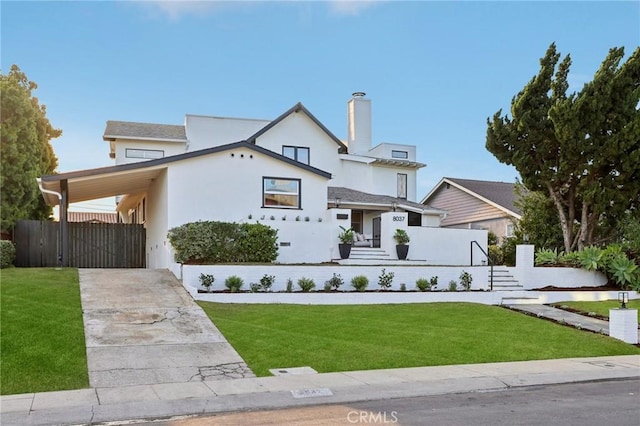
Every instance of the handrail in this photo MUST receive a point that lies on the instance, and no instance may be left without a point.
(488, 260)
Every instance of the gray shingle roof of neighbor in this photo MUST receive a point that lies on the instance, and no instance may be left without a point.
(348, 196)
(130, 129)
(501, 193)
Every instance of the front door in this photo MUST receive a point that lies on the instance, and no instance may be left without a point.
(376, 232)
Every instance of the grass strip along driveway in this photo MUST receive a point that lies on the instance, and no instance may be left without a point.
(365, 337)
(601, 308)
(42, 333)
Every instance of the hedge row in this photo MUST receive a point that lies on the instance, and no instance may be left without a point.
(206, 242)
(7, 253)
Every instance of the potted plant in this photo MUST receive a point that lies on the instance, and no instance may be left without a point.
(402, 238)
(346, 239)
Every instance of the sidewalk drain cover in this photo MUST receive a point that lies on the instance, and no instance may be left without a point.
(291, 371)
(311, 393)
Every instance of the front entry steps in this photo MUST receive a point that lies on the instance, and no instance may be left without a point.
(503, 280)
(368, 253)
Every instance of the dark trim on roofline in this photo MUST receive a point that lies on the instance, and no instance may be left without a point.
(342, 148)
(180, 157)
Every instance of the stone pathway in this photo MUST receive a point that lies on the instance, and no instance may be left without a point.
(142, 327)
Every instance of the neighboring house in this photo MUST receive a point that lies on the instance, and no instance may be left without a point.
(91, 217)
(476, 204)
(290, 173)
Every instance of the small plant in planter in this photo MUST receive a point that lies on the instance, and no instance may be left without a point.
(206, 280)
(306, 219)
(346, 239)
(403, 287)
(335, 282)
(359, 282)
(453, 285)
(289, 285)
(327, 286)
(297, 218)
(267, 281)
(306, 284)
(402, 239)
(255, 287)
(234, 283)
(385, 279)
(465, 280)
(424, 284)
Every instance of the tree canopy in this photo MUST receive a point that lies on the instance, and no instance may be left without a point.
(581, 149)
(25, 150)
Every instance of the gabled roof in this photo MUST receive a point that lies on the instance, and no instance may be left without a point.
(501, 195)
(135, 177)
(352, 197)
(151, 131)
(342, 148)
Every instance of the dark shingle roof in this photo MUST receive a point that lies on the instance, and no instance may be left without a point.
(501, 193)
(129, 129)
(349, 196)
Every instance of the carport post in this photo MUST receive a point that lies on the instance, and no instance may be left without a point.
(64, 224)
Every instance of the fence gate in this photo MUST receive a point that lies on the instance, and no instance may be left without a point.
(91, 245)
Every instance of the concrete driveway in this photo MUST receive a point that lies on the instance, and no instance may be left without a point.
(142, 327)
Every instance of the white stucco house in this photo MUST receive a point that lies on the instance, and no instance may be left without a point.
(291, 173)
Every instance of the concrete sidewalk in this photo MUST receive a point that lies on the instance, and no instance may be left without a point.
(165, 400)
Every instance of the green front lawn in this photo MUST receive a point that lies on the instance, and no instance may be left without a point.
(364, 337)
(41, 331)
(601, 308)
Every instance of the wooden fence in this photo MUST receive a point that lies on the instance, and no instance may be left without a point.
(91, 245)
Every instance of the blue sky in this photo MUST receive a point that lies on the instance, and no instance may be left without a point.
(434, 70)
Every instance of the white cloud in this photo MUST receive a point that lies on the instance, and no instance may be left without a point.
(350, 7)
(175, 9)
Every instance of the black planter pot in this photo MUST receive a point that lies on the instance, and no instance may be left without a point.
(345, 250)
(402, 250)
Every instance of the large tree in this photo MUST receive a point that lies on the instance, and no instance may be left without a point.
(25, 150)
(583, 148)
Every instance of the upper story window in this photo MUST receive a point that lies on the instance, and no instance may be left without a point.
(399, 154)
(281, 193)
(402, 185)
(298, 153)
(147, 154)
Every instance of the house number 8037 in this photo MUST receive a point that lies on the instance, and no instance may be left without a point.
(398, 218)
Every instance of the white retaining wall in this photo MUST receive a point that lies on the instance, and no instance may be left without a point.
(320, 274)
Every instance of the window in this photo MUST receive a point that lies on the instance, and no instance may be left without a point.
(144, 153)
(298, 153)
(402, 185)
(399, 154)
(281, 193)
(510, 230)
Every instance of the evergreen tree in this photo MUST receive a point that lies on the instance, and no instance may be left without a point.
(25, 150)
(582, 149)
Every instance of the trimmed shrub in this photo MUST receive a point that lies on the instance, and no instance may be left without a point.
(359, 282)
(7, 253)
(465, 280)
(234, 283)
(206, 280)
(334, 282)
(385, 279)
(423, 284)
(306, 284)
(206, 242)
(267, 281)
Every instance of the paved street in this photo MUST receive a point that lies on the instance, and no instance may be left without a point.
(586, 404)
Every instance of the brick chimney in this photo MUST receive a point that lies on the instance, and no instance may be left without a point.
(359, 124)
